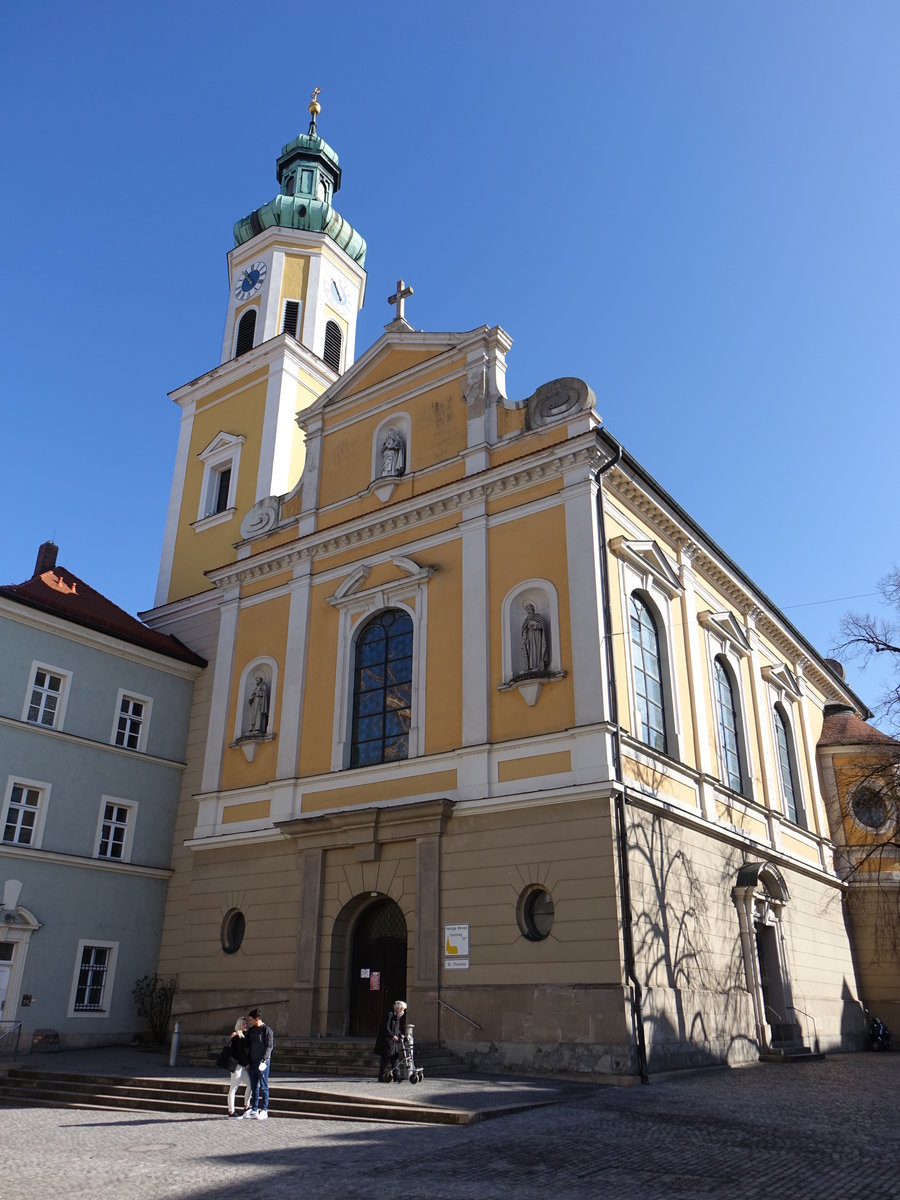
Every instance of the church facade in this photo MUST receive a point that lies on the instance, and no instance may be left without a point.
(490, 723)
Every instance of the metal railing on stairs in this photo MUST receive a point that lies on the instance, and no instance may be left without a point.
(9, 1038)
(457, 1013)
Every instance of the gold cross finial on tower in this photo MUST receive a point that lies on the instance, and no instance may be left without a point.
(314, 109)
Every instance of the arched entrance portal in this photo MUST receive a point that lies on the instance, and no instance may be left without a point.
(377, 966)
(761, 895)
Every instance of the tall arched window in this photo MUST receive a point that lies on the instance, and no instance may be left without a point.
(382, 690)
(333, 341)
(246, 332)
(648, 682)
(787, 769)
(729, 744)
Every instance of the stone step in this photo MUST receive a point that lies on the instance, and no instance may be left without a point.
(325, 1056)
(63, 1090)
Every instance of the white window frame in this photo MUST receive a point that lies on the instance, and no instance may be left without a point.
(44, 798)
(131, 806)
(96, 1013)
(147, 701)
(665, 672)
(644, 569)
(356, 604)
(726, 639)
(223, 452)
(60, 715)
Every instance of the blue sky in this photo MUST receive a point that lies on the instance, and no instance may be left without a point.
(691, 205)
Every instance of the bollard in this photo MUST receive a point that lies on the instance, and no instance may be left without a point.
(173, 1053)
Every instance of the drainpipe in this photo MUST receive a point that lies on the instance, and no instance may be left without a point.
(620, 799)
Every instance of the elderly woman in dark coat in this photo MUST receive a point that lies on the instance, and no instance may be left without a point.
(387, 1044)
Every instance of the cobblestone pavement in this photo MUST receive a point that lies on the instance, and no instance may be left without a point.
(821, 1130)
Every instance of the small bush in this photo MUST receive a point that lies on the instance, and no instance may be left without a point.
(153, 996)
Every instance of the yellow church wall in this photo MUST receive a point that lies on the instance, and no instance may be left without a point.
(437, 433)
(535, 765)
(533, 547)
(738, 816)
(317, 723)
(256, 587)
(199, 551)
(395, 362)
(261, 630)
(294, 281)
(397, 787)
(532, 442)
(443, 699)
(509, 420)
(659, 780)
(539, 491)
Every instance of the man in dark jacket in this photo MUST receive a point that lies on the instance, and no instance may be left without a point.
(262, 1043)
(387, 1044)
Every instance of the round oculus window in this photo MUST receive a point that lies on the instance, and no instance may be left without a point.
(535, 913)
(233, 927)
(870, 808)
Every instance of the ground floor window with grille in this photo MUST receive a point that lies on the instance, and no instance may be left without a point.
(94, 971)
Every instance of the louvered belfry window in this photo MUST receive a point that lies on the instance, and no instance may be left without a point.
(291, 317)
(333, 340)
(246, 332)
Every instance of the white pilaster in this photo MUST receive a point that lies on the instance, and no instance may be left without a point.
(294, 674)
(218, 709)
(475, 628)
(273, 476)
(583, 551)
(179, 475)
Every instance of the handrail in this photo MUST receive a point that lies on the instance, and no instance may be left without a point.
(809, 1017)
(15, 1028)
(457, 1013)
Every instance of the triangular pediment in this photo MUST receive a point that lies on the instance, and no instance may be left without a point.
(397, 353)
(724, 626)
(648, 559)
(221, 442)
(782, 679)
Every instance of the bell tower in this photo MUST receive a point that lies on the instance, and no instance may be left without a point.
(296, 284)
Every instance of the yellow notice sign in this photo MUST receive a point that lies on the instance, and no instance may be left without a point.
(456, 940)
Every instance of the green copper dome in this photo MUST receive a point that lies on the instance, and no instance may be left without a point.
(308, 174)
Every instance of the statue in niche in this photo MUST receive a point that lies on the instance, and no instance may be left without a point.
(259, 707)
(393, 453)
(535, 647)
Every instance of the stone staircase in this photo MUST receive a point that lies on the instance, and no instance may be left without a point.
(326, 1056)
(61, 1089)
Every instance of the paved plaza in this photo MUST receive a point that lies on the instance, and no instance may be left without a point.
(822, 1130)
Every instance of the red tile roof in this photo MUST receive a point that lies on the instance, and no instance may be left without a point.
(62, 594)
(842, 727)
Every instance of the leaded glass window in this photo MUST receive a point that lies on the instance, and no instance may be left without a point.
(728, 728)
(792, 809)
(648, 687)
(382, 690)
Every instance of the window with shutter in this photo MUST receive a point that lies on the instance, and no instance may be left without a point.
(333, 340)
(291, 317)
(246, 333)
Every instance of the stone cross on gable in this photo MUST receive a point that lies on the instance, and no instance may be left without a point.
(399, 298)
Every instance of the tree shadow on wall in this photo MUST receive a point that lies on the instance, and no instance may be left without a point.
(683, 918)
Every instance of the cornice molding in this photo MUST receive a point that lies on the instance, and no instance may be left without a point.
(447, 500)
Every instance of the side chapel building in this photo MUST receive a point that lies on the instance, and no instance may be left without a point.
(490, 723)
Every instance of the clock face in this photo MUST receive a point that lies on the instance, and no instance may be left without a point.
(338, 292)
(251, 280)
